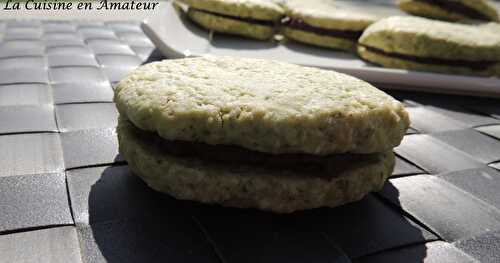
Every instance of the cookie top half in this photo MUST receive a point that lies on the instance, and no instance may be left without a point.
(452, 9)
(422, 37)
(325, 14)
(254, 9)
(261, 105)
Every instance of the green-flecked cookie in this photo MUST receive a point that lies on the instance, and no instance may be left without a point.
(261, 105)
(452, 10)
(249, 18)
(323, 24)
(217, 176)
(422, 44)
(233, 26)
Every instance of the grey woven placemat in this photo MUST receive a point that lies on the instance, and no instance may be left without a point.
(67, 196)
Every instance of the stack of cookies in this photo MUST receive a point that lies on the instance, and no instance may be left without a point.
(407, 43)
(314, 22)
(257, 133)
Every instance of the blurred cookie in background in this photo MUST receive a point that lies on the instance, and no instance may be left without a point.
(451, 10)
(422, 44)
(323, 24)
(249, 18)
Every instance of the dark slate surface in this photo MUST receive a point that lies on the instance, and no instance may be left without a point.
(347, 226)
(487, 109)
(90, 147)
(82, 93)
(470, 118)
(75, 74)
(30, 154)
(423, 120)
(72, 117)
(433, 155)
(172, 239)
(24, 75)
(479, 146)
(33, 201)
(433, 252)
(60, 166)
(109, 46)
(21, 48)
(495, 165)
(403, 168)
(68, 60)
(484, 247)
(27, 118)
(449, 211)
(25, 94)
(22, 62)
(268, 239)
(113, 193)
(55, 245)
(483, 183)
(54, 39)
(493, 131)
(68, 49)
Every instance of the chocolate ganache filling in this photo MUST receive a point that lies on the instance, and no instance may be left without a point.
(234, 157)
(475, 65)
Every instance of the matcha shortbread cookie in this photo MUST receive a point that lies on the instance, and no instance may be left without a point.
(261, 105)
(422, 44)
(323, 24)
(452, 10)
(249, 18)
(257, 133)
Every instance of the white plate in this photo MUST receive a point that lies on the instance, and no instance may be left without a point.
(176, 37)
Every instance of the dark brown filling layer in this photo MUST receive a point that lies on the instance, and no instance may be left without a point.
(234, 157)
(475, 65)
(457, 7)
(301, 25)
(243, 19)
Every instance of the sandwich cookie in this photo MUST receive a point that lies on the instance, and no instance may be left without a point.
(322, 24)
(257, 133)
(422, 44)
(249, 18)
(451, 10)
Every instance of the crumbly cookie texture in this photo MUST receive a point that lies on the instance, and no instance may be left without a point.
(320, 40)
(262, 105)
(422, 37)
(420, 8)
(230, 26)
(255, 9)
(392, 62)
(324, 14)
(281, 191)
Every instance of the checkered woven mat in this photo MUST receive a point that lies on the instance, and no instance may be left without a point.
(67, 196)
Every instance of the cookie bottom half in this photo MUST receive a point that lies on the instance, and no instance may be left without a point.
(248, 186)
